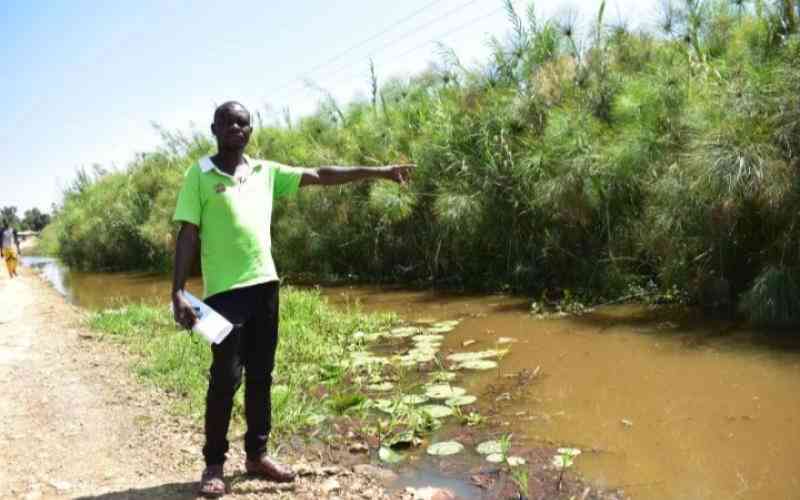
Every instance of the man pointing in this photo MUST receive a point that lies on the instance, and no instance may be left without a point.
(225, 207)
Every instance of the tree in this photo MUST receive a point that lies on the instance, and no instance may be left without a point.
(35, 220)
(9, 215)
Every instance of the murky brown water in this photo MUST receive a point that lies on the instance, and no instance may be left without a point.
(709, 411)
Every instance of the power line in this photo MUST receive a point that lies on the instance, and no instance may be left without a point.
(361, 43)
(394, 41)
(377, 35)
(434, 39)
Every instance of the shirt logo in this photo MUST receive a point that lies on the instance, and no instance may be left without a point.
(219, 188)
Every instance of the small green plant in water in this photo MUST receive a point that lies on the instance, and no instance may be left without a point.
(519, 475)
(563, 460)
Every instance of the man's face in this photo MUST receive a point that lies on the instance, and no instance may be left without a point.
(232, 127)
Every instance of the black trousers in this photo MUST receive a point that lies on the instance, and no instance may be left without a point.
(250, 347)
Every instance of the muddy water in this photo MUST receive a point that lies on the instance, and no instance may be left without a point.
(98, 291)
(667, 404)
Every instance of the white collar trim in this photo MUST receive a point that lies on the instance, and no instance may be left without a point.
(206, 165)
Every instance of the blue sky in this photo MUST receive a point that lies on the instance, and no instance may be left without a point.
(85, 80)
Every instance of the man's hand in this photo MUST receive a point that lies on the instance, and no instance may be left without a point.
(182, 311)
(399, 173)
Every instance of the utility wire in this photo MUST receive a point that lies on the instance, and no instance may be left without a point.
(360, 44)
(432, 40)
(377, 35)
(394, 41)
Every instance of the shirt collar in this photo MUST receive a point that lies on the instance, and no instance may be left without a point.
(206, 165)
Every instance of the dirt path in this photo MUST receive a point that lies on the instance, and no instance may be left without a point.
(75, 424)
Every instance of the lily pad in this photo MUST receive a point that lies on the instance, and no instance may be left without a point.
(494, 458)
(381, 387)
(388, 455)
(414, 399)
(477, 364)
(403, 440)
(460, 357)
(515, 461)
(385, 405)
(444, 391)
(445, 448)
(489, 448)
(404, 331)
(444, 376)
(428, 339)
(437, 411)
(506, 340)
(572, 452)
(466, 399)
(452, 323)
(440, 329)
(360, 359)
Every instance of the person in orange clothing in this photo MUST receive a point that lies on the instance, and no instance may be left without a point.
(9, 248)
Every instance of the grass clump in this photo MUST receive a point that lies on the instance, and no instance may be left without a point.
(314, 339)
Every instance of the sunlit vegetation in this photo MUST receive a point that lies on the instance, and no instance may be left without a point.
(598, 161)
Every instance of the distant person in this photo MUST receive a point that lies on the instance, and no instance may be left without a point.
(225, 207)
(9, 248)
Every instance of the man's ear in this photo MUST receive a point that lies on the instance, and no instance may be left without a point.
(214, 129)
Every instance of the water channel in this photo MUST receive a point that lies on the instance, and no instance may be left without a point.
(664, 402)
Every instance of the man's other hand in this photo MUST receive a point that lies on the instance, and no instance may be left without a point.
(183, 311)
(400, 173)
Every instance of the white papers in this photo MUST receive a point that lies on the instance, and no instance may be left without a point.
(210, 324)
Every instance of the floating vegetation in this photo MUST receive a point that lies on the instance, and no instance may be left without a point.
(565, 457)
(437, 411)
(428, 338)
(444, 391)
(388, 455)
(464, 400)
(406, 439)
(445, 448)
(478, 364)
(385, 405)
(414, 399)
(489, 447)
(494, 458)
(443, 376)
(461, 357)
(506, 340)
(362, 358)
(515, 461)
(452, 323)
(404, 331)
(381, 387)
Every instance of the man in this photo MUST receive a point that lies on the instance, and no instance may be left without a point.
(9, 248)
(225, 203)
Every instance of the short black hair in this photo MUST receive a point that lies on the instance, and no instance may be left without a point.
(225, 106)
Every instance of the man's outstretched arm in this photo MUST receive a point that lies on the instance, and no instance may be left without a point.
(330, 176)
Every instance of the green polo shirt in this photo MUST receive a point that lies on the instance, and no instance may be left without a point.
(234, 220)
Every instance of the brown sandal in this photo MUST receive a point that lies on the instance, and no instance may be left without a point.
(212, 484)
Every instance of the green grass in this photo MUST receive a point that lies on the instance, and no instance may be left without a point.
(314, 338)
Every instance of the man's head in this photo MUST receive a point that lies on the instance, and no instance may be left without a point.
(231, 126)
